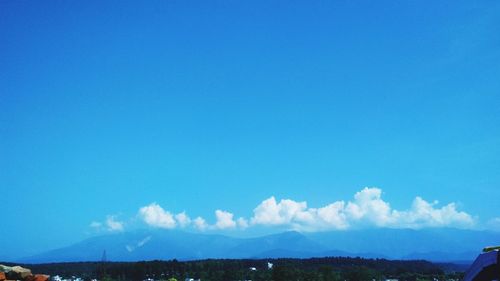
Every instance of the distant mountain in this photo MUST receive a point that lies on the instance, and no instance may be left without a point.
(292, 242)
(440, 244)
(432, 244)
(143, 245)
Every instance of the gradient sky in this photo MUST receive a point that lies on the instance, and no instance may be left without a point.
(109, 106)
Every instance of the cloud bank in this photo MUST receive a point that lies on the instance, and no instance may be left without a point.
(366, 209)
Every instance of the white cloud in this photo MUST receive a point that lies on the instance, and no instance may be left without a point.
(424, 214)
(183, 219)
(154, 215)
(110, 224)
(369, 206)
(242, 223)
(269, 212)
(298, 215)
(200, 223)
(95, 224)
(113, 225)
(367, 209)
(333, 216)
(224, 220)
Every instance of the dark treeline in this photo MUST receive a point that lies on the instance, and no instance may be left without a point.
(317, 269)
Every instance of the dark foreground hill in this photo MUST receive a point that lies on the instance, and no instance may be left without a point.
(327, 269)
(440, 245)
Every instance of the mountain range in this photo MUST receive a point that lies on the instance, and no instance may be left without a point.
(439, 245)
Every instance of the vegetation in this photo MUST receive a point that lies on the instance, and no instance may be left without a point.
(315, 269)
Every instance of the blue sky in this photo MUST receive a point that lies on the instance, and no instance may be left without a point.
(198, 106)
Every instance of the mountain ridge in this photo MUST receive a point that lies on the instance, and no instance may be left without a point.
(439, 245)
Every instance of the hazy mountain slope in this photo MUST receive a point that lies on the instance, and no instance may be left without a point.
(433, 244)
(142, 245)
(290, 241)
(404, 243)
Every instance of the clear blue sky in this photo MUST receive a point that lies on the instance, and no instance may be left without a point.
(108, 106)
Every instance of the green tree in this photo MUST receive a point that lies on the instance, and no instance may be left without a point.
(279, 273)
(107, 278)
(360, 273)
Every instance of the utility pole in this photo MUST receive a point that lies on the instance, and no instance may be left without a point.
(104, 260)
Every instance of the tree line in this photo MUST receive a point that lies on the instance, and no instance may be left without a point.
(314, 269)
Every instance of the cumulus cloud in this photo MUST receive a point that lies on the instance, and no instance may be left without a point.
(154, 215)
(425, 214)
(200, 223)
(224, 220)
(183, 219)
(298, 215)
(332, 216)
(269, 212)
(113, 225)
(369, 206)
(242, 223)
(368, 209)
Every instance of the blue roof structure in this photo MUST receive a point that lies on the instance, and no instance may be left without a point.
(486, 267)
